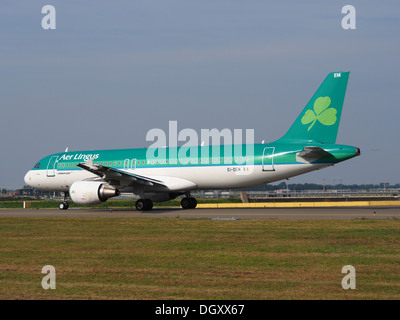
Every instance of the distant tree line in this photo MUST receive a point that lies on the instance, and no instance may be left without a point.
(27, 191)
(315, 187)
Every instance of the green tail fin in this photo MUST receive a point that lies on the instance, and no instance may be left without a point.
(319, 121)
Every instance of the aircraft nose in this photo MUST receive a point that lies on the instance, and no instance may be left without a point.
(28, 178)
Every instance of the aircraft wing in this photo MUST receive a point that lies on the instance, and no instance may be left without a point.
(310, 154)
(124, 178)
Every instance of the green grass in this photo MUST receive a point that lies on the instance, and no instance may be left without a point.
(134, 258)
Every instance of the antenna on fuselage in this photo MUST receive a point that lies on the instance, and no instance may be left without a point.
(66, 150)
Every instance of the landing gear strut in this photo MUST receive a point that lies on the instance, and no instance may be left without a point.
(64, 205)
(144, 205)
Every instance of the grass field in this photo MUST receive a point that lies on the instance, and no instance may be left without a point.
(117, 258)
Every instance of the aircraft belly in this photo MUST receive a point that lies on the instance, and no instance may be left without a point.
(220, 177)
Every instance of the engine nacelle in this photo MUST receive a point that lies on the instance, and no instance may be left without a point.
(91, 192)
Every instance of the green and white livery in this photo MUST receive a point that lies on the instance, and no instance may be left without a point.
(90, 177)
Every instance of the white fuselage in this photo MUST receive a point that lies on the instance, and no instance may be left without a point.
(209, 177)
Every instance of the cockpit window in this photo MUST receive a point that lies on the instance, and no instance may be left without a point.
(37, 165)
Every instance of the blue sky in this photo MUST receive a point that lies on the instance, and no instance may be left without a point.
(113, 70)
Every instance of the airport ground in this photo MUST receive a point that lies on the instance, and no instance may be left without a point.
(209, 253)
(332, 213)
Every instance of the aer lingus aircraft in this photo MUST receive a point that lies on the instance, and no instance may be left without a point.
(91, 177)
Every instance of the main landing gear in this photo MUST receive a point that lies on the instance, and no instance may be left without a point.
(188, 203)
(147, 204)
(64, 205)
(144, 205)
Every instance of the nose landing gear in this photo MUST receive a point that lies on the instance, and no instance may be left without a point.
(64, 205)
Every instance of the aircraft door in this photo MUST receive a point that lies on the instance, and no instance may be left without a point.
(51, 167)
(133, 165)
(126, 164)
(130, 164)
(268, 159)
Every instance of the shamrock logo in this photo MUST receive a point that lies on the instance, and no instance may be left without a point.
(325, 115)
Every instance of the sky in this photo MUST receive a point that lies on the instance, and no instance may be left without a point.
(113, 70)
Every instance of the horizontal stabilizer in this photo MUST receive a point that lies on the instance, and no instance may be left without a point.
(311, 154)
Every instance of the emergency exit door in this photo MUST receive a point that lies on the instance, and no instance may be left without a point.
(268, 159)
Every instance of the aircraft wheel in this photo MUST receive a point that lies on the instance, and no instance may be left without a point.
(148, 204)
(193, 202)
(144, 205)
(63, 206)
(140, 205)
(188, 203)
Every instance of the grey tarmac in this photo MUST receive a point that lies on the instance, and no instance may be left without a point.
(215, 213)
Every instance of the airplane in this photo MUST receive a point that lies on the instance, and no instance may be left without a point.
(91, 177)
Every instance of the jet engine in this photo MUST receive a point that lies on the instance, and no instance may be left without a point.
(91, 192)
